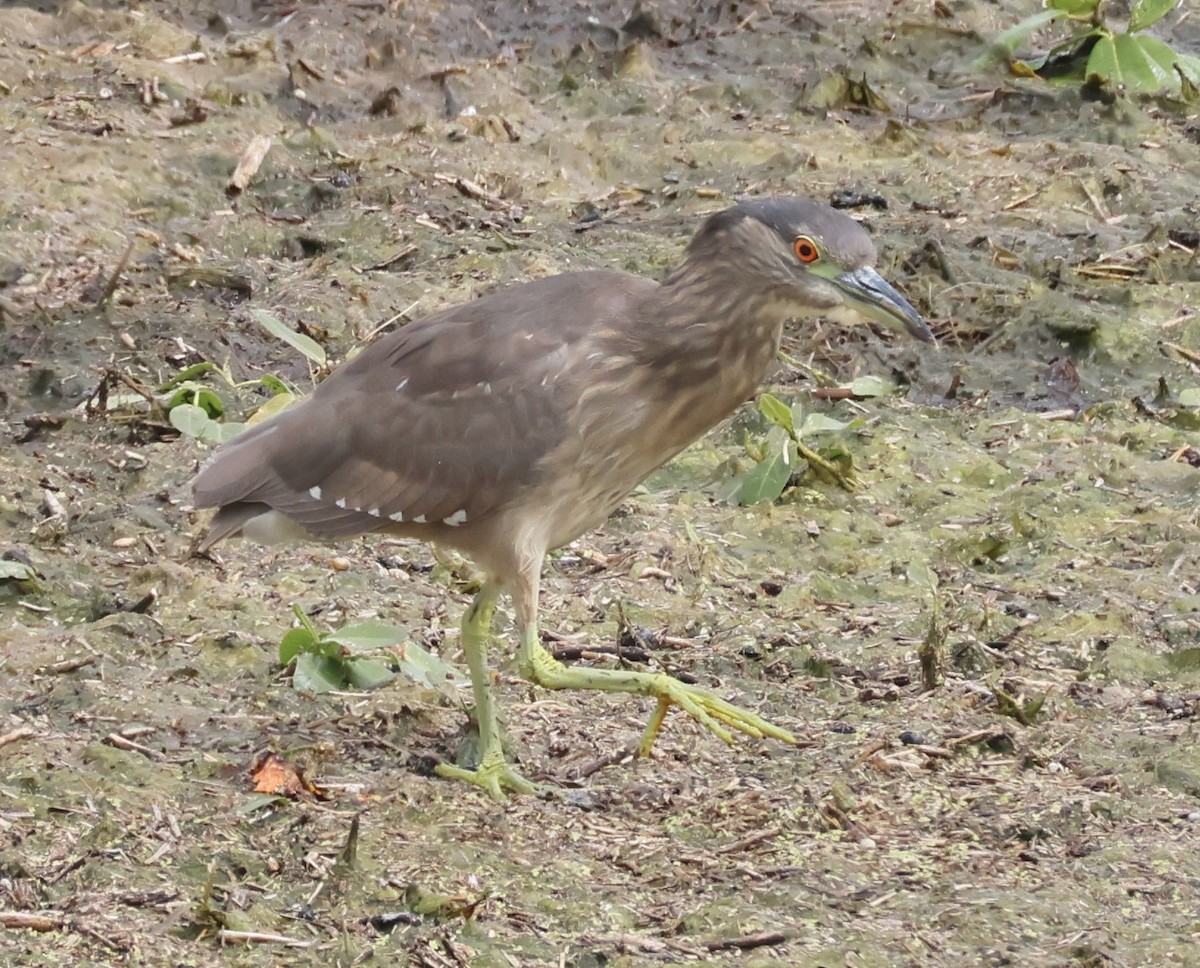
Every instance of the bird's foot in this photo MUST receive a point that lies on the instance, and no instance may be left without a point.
(712, 712)
(493, 775)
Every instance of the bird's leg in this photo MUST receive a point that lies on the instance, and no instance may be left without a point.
(715, 714)
(493, 773)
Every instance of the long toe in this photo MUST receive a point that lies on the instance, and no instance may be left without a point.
(493, 775)
(711, 711)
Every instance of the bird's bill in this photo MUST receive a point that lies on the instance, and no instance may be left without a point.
(873, 296)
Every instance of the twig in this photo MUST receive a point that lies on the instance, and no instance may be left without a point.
(601, 762)
(33, 920)
(121, 743)
(572, 653)
(1190, 355)
(107, 294)
(248, 164)
(261, 937)
(393, 261)
(67, 665)
(747, 842)
(24, 732)
(748, 941)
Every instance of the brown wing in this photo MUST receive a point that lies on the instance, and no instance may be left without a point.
(445, 420)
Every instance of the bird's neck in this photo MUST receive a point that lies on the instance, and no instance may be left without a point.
(706, 328)
(712, 320)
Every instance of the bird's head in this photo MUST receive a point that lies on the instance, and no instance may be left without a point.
(817, 257)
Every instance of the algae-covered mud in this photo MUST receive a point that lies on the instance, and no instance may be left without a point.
(988, 649)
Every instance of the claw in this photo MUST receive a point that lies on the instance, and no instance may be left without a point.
(712, 712)
(493, 775)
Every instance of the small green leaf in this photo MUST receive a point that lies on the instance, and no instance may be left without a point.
(369, 636)
(921, 575)
(766, 481)
(254, 802)
(368, 674)
(871, 386)
(188, 374)
(319, 673)
(298, 341)
(218, 433)
(16, 571)
(1147, 12)
(819, 423)
(294, 643)
(189, 419)
(1008, 42)
(1126, 60)
(274, 384)
(423, 667)
(776, 411)
(276, 404)
(1189, 67)
(198, 396)
(1190, 397)
(1074, 8)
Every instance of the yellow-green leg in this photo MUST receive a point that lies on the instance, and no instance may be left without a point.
(493, 773)
(715, 714)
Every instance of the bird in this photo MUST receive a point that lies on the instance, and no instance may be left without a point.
(510, 425)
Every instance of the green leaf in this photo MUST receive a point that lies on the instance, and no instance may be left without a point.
(276, 404)
(189, 419)
(188, 374)
(819, 423)
(422, 667)
(1190, 397)
(254, 802)
(921, 575)
(776, 411)
(294, 643)
(298, 341)
(766, 481)
(1189, 67)
(1008, 42)
(16, 571)
(213, 405)
(319, 673)
(1074, 8)
(218, 433)
(1163, 56)
(369, 636)
(368, 674)
(1147, 12)
(871, 386)
(274, 384)
(1134, 63)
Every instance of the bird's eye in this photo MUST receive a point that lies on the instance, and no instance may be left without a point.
(806, 250)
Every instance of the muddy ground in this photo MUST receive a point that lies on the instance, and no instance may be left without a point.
(1028, 508)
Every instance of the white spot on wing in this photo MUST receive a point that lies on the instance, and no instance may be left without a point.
(457, 518)
(374, 512)
(340, 503)
(398, 517)
(315, 493)
(419, 519)
(401, 385)
(486, 388)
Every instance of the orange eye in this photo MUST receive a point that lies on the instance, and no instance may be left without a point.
(806, 250)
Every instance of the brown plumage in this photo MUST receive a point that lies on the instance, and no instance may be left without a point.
(510, 425)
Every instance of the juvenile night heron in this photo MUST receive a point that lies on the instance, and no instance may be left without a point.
(509, 426)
